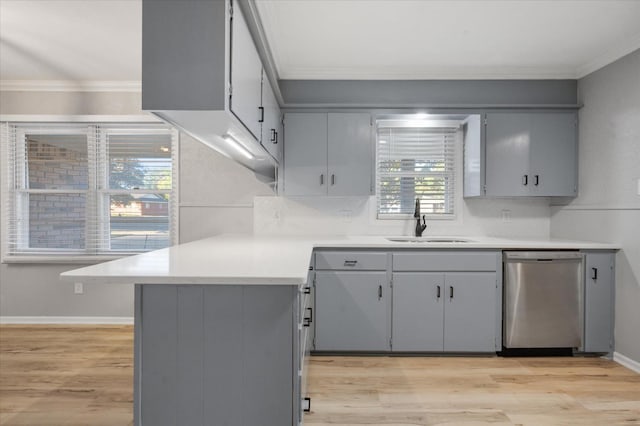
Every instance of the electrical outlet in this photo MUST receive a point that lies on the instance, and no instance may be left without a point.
(78, 288)
(346, 215)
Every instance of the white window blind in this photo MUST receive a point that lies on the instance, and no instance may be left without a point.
(88, 189)
(416, 162)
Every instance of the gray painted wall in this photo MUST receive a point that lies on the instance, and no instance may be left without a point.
(394, 93)
(608, 205)
(215, 196)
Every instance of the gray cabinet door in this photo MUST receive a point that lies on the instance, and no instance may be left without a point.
(246, 75)
(215, 355)
(599, 281)
(305, 154)
(553, 154)
(531, 154)
(271, 137)
(508, 137)
(350, 154)
(418, 312)
(470, 312)
(353, 311)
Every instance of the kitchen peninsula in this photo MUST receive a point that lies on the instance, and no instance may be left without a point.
(224, 325)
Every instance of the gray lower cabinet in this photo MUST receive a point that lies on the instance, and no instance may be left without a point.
(452, 312)
(218, 355)
(409, 301)
(599, 296)
(470, 309)
(418, 311)
(353, 311)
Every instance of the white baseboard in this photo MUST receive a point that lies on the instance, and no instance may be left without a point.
(627, 362)
(66, 320)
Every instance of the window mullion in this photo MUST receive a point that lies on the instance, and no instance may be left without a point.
(92, 196)
(21, 201)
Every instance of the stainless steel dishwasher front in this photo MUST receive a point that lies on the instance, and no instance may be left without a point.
(543, 299)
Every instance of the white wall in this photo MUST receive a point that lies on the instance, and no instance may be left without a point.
(608, 205)
(216, 196)
(357, 216)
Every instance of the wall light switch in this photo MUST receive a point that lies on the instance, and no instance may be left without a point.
(78, 288)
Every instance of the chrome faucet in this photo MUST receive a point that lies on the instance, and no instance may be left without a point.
(420, 227)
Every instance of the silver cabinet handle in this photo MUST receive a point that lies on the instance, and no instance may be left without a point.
(536, 180)
(525, 180)
(261, 120)
(450, 292)
(333, 179)
(322, 179)
(307, 405)
(379, 292)
(594, 273)
(438, 293)
(350, 262)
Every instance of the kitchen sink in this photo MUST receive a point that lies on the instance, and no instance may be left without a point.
(429, 240)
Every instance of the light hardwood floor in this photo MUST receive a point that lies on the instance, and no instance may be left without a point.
(82, 375)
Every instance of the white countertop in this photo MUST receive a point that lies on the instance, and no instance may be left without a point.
(270, 260)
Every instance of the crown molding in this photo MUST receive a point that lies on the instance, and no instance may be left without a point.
(69, 86)
(611, 55)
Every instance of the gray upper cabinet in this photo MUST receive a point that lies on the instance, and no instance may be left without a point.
(305, 154)
(553, 169)
(349, 154)
(246, 76)
(508, 144)
(201, 72)
(271, 137)
(599, 293)
(525, 154)
(328, 154)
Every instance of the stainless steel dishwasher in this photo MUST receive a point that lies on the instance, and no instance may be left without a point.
(543, 299)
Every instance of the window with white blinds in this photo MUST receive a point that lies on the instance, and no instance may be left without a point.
(416, 162)
(78, 189)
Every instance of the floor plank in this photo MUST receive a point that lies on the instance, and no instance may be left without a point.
(82, 375)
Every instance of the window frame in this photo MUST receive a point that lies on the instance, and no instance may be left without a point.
(15, 125)
(455, 199)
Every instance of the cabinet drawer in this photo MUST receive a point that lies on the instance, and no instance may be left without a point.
(446, 261)
(351, 261)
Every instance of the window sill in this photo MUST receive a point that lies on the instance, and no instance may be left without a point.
(406, 217)
(74, 260)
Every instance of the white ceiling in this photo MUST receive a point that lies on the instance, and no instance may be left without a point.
(100, 40)
(424, 39)
(71, 40)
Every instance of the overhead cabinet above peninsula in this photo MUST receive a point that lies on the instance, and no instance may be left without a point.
(202, 73)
